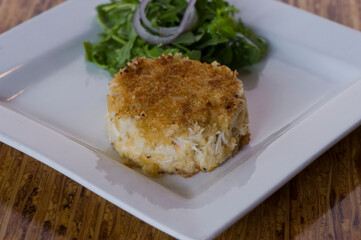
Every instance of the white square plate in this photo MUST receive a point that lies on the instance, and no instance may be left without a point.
(302, 98)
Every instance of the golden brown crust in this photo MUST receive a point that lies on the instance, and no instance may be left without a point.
(174, 91)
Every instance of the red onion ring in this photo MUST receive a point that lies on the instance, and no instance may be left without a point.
(165, 31)
(167, 34)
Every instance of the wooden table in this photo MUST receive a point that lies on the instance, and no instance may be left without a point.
(323, 201)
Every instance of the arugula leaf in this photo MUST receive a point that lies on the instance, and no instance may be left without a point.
(216, 35)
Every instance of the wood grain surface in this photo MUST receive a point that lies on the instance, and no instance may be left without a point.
(322, 202)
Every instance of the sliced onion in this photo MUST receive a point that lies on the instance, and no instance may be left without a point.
(167, 34)
(165, 31)
(147, 36)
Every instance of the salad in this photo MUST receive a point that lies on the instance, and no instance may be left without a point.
(204, 30)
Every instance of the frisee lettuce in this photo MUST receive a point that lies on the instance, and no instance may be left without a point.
(216, 35)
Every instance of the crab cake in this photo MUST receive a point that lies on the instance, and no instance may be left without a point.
(175, 115)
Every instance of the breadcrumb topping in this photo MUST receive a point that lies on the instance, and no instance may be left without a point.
(171, 92)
